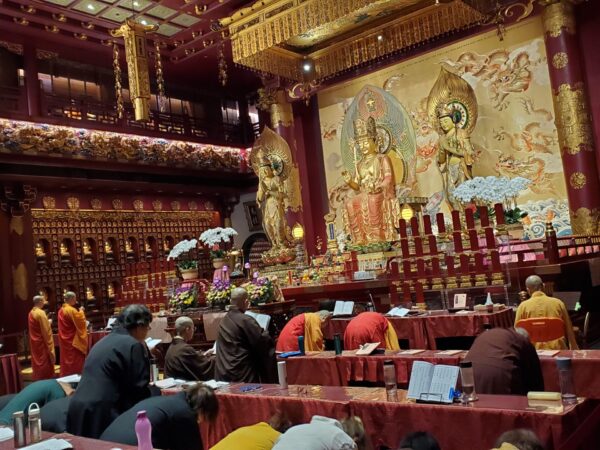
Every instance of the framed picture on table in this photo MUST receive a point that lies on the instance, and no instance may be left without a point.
(253, 216)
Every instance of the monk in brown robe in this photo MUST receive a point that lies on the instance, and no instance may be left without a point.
(182, 360)
(245, 353)
(41, 341)
(505, 363)
(73, 338)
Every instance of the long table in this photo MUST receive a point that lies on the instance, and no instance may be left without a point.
(78, 443)
(455, 426)
(325, 368)
(422, 331)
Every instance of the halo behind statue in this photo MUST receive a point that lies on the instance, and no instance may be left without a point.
(395, 132)
(271, 148)
(455, 97)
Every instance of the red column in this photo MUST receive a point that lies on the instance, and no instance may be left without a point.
(32, 83)
(573, 118)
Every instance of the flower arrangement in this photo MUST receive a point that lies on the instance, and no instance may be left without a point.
(278, 256)
(213, 238)
(260, 290)
(219, 293)
(185, 297)
(183, 248)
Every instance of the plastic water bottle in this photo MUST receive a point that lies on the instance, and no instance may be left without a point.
(468, 381)
(301, 344)
(565, 376)
(143, 431)
(282, 374)
(337, 342)
(389, 378)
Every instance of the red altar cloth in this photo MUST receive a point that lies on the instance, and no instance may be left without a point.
(421, 331)
(586, 367)
(456, 427)
(315, 368)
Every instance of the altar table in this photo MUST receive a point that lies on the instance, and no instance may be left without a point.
(324, 368)
(422, 331)
(455, 426)
(78, 442)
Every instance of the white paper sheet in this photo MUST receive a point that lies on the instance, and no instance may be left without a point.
(398, 312)
(50, 444)
(343, 308)
(151, 343)
(263, 319)
(6, 434)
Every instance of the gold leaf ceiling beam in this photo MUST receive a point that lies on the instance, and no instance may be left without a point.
(256, 37)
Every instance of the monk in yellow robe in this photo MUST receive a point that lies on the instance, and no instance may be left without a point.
(73, 338)
(540, 305)
(307, 325)
(41, 342)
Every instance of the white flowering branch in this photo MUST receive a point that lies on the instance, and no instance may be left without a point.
(215, 236)
(181, 248)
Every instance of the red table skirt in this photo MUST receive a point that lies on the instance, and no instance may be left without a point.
(422, 331)
(11, 381)
(586, 372)
(456, 427)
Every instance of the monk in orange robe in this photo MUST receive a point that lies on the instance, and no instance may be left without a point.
(73, 338)
(370, 327)
(307, 325)
(41, 342)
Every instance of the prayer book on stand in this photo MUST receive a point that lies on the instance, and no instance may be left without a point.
(432, 383)
(343, 308)
(263, 319)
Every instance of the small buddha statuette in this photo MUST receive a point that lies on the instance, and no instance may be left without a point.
(147, 248)
(89, 293)
(39, 250)
(110, 291)
(128, 246)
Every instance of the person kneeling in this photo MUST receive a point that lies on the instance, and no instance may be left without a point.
(175, 419)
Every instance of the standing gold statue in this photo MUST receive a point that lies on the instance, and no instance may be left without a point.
(452, 109)
(270, 197)
(372, 213)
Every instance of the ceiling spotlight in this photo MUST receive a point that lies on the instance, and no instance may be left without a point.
(136, 4)
(91, 7)
(379, 37)
(307, 67)
(144, 22)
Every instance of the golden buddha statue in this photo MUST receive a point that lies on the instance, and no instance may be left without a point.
(39, 251)
(108, 248)
(452, 110)
(372, 213)
(147, 248)
(89, 293)
(166, 247)
(110, 291)
(269, 197)
(128, 246)
(87, 249)
(64, 251)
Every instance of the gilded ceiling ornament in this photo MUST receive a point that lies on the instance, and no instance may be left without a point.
(193, 206)
(49, 202)
(118, 86)
(157, 205)
(73, 203)
(138, 205)
(81, 36)
(45, 54)
(557, 16)
(88, 25)
(573, 120)
(96, 204)
(526, 7)
(21, 21)
(585, 221)
(266, 97)
(117, 204)
(107, 42)
(577, 180)
(175, 205)
(134, 36)
(52, 28)
(200, 9)
(17, 49)
(59, 17)
(560, 60)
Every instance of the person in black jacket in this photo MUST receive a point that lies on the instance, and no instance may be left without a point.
(175, 419)
(115, 377)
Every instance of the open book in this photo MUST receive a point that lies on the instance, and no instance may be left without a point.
(434, 383)
(343, 308)
(368, 348)
(151, 343)
(263, 319)
(398, 312)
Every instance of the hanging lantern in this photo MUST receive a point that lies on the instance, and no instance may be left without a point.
(136, 55)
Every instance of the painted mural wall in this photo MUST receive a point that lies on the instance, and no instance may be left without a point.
(514, 135)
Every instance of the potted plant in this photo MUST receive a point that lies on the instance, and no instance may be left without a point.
(219, 293)
(213, 239)
(260, 290)
(185, 297)
(187, 266)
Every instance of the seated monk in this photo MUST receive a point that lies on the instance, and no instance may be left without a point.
(182, 361)
(370, 327)
(307, 325)
(540, 305)
(174, 419)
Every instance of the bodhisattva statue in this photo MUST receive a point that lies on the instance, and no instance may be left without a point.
(372, 213)
(452, 110)
(270, 197)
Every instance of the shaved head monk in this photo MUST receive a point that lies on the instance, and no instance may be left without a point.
(73, 338)
(307, 325)
(370, 327)
(245, 352)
